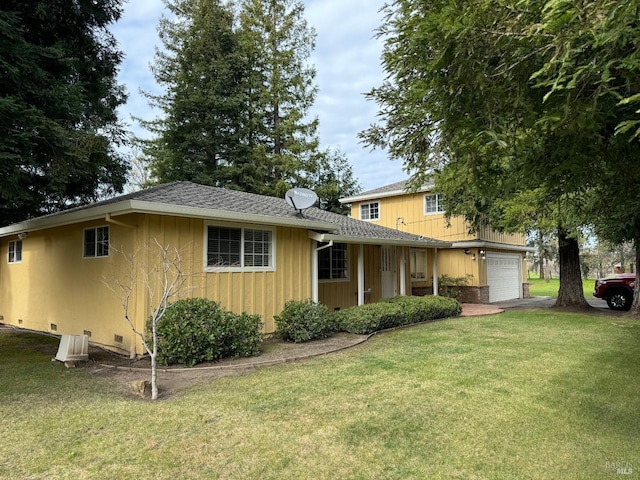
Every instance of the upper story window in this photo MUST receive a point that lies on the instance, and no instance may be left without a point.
(96, 242)
(433, 204)
(240, 248)
(333, 262)
(370, 211)
(15, 251)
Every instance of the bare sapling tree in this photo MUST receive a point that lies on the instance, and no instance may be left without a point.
(162, 278)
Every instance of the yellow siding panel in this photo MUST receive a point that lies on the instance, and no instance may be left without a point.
(55, 285)
(406, 213)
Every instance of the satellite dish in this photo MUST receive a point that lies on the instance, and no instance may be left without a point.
(301, 198)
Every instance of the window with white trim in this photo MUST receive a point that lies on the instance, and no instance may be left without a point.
(333, 262)
(96, 242)
(236, 247)
(433, 204)
(15, 251)
(418, 261)
(370, 211)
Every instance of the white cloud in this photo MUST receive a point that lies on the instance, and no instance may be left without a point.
(347, 59)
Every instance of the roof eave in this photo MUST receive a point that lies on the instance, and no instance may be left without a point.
(373, 196)
(139, 206)
(326, 237)
(494, 245)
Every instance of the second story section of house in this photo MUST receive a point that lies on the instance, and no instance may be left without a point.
(420, 213)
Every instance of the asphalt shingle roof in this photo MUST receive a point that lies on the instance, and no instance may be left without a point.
(275, 210)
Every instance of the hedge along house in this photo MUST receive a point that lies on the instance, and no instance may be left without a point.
(493, 262)
(249, 252)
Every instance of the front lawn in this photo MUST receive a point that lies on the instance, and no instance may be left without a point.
(523, 394)
(544, 288)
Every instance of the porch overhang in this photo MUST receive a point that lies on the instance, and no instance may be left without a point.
(337, 238)
(493, 245)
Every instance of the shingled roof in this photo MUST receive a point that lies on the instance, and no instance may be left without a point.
(393, 189)
(213, 203)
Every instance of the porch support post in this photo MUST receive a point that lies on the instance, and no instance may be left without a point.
(403, 273)
(435, 272)
(314, 271)
(361, 274)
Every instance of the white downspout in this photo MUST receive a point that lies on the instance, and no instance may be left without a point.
(361, 274)
(435, 272)
(403, 273)
(314, 269)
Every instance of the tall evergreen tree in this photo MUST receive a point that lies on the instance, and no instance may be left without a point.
(278, 42)
(200, 136)
(58, 100)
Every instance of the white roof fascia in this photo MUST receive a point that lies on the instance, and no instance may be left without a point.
(138, 206)
(494, 245)
(326, 237)
(393, 193)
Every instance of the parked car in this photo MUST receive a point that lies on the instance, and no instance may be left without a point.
(617, 291)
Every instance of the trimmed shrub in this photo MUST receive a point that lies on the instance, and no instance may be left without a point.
(452, 286)
(301, 321)
(395, 312)
(198, 330)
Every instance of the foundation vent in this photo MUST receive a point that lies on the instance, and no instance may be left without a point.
(54, 327)
(117, 338)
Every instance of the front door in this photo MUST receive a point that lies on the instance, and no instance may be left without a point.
(388, 272)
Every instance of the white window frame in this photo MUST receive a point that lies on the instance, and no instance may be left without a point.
(366, 214)
(342, 277)
(243, 244)
(439, 207)
(99, 246)
(413, 264)
(14, 254)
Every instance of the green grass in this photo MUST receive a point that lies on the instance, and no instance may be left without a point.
(524, 394)
(544, 288)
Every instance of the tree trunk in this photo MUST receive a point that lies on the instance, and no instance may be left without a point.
(571, 293)
(154, 378)
(635, 306)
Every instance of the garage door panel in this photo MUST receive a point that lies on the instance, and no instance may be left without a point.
(504, 277)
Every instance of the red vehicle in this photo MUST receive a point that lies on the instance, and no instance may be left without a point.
(617, 291)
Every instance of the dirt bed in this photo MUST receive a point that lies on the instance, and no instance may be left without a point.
(173, 379)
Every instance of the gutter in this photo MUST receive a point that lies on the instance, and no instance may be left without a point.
(493, 245)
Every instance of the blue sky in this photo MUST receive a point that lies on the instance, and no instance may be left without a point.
(347, 59)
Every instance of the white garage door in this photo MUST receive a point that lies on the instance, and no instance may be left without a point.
(504, 276)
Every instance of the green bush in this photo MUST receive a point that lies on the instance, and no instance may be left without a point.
(198, 330)
(395, 312)
(301, 321)
(452, 286)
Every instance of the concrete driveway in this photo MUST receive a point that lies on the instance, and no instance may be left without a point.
(541, 302)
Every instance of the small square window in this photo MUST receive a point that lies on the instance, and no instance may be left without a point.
(96, 242)
(333, 262)
(370, 211)
(433, 204)
(15, 251)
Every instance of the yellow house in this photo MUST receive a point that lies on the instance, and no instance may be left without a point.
(492, 262)
(249, 252)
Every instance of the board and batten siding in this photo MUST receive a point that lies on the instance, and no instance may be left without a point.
(343, 293)
(406, 213)
(55, 290)
(254, 292)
